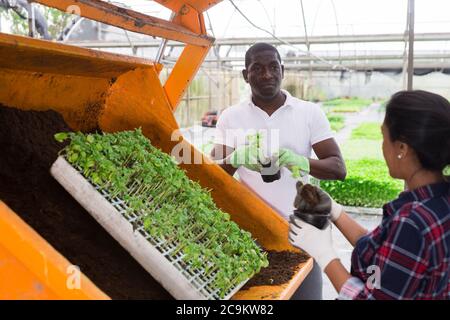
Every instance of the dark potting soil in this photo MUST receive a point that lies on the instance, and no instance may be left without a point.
(306, 194)
(281, 269)
(28, 150)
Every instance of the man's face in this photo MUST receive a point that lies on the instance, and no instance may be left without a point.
(264, 74)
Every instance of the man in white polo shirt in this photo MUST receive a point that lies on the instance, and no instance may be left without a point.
(299, 127)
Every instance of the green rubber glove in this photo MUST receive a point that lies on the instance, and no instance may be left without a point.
(297, 164)
(446, 171)
(246, 156)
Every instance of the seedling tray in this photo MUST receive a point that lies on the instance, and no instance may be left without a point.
(158, 256)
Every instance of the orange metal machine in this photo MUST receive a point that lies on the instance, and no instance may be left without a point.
(93, 89)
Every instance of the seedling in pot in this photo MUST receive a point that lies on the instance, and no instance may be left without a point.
(269, 172)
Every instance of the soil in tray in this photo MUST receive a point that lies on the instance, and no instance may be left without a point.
(282, 267)
(28, 150)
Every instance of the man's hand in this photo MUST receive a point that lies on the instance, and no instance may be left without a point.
(294, 162)
(246, 156)
(317, 243)
(324, 203)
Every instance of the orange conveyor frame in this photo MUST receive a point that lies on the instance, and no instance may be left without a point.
(93, 89)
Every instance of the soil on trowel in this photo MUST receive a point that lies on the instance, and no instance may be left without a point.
(28, 150)
(282, 267)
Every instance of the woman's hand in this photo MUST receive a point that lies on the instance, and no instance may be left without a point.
(317, 243)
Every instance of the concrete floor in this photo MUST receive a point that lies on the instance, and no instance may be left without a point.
(344, 249)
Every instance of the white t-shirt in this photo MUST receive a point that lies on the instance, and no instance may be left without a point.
(297, 125)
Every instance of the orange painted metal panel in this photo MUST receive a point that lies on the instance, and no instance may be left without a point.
(22, 53)
(37, 74)
(78, 99)
(183, 72)
(130, 20)
(18, 283)
(199, 5)
(31, 269)
(191, 19)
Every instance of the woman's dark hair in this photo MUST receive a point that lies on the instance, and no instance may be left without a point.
(421, 119)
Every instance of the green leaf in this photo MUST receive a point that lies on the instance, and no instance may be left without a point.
(295, 172)
(90, 138)
(61, 137)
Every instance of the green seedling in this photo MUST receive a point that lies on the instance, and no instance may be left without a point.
(168, 204)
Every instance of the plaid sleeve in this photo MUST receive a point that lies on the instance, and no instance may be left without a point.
(351, 289)
(399, 265)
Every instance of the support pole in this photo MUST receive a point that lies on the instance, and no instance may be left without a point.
(410, 44)
(31, 21)
(308, 46)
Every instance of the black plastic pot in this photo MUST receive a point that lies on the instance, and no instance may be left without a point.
(318, 220)
(269, 177)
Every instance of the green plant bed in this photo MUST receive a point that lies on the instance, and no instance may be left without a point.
(368, 184)
(368, 130)
(362, 149)
(358, 102)
(345, 105)
(343, 109)
(337, 121)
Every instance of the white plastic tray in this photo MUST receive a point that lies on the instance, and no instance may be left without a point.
(179, 279)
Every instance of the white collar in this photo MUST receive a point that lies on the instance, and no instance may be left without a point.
(287, 103)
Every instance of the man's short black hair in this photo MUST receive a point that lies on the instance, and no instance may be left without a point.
(258, 47)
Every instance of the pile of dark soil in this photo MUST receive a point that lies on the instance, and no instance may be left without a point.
(282, 267)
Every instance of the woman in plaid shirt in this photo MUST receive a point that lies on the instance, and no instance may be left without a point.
(408, 255)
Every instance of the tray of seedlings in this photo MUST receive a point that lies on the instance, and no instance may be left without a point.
(166, 221)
